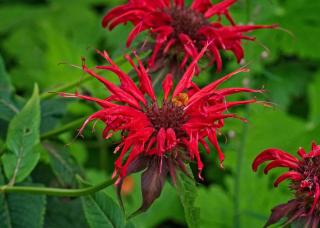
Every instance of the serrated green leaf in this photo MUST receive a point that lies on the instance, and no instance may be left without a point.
(187, 192)
(21, 210)
(101, 211)
(63, 164)
(23, 135)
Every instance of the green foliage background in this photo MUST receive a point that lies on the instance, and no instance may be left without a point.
(39, 40)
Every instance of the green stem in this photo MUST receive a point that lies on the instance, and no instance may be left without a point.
(63, 129)
(64, 88)
(56, 191)
(239, 164)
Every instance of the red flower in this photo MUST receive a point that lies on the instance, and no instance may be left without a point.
(304, 175)
(180, 32)
(159, 137)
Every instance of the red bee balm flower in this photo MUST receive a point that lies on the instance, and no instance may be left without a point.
(159, 137)
(305, 176)
(180, 32)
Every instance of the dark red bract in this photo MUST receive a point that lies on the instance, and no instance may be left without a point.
(180, 31)
(305, 180)
(160, 136)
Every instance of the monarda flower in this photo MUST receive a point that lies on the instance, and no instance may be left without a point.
(179, 32)
(304, 174)
(158, 136)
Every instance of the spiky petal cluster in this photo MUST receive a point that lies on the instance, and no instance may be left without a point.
(181, 31)
(304, 174)
(160, 137)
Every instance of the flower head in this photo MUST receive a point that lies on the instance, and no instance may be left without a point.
(180, 32)
(304, 174)
(158, 137)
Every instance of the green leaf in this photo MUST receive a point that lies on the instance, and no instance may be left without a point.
(63, 212)
(7, 107)
(51, 112)
(314, 98)
(63, 164)
(216, 207)
(305, 43)
(187, 192)
(6, 88)
(101, 211)
(21, 210)
(23, 135)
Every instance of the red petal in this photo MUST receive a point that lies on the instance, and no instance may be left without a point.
(212, 86)
(187, 77)
(119, 93)
(179, 3)
(171, 140)
(212, 136)
(167, 85)
(134, 32)
(219, 8)
(161, 140)
(145, 81)
(316, 195)
(201, 5)
(293, 175)
(272, 154)
(280, 163)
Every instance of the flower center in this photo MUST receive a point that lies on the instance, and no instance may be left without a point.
(167, 116)
(187, 21)
(305, 189)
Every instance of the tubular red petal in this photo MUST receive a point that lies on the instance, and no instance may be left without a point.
(102, 103)
(302, 153)
(187, 77)
(212, 136)
(114, 13)
(134, 32)
(130, 15)
(119, 93)
(272, 154)
(171, 139)
(280, 163)
(205, 145)
(237, 51)
(179, 3)
(170, 43)
(225, 106)
(316, 196)
(247, 28)
(201, 5)
(188, 45)
(127, 83)
(217, 56)
(219, 8)
(161, 141)
(167, 85)
(293, 175)
(162, 34)
(145, 81)
(212, 86)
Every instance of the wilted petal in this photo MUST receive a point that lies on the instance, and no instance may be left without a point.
(281, 211)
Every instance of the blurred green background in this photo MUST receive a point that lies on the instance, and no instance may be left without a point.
(39, 39)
